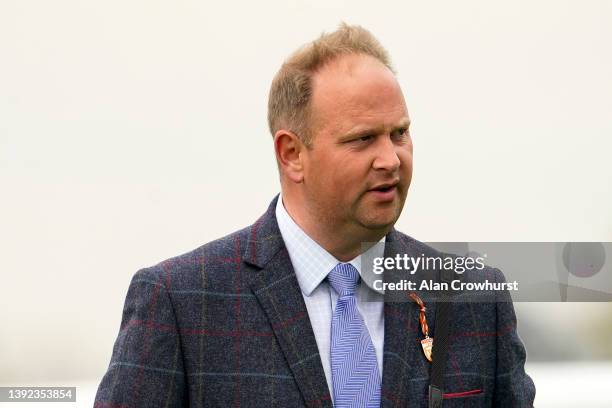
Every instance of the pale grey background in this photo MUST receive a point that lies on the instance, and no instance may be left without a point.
(132, 131)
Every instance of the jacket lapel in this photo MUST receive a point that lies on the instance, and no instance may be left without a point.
(405, 368)
(276, 288)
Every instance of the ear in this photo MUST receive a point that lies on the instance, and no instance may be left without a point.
(288, 148)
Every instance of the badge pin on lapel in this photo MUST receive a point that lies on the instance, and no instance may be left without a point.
(427, 342)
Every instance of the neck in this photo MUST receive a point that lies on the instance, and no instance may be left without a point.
(344, 242)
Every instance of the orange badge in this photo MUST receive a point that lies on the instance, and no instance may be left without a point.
(427, 342)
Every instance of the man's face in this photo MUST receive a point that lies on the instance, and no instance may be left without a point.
(359, 166)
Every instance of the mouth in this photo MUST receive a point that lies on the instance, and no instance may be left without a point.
(385, 191)
(385, 187)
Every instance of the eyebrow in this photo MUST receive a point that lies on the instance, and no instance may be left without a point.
(404, 123)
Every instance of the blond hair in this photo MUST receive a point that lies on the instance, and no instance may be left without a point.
(291, 90)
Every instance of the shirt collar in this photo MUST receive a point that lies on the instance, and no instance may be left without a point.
(311, 261)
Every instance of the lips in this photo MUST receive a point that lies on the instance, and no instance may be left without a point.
(384, 192)
(385, 187)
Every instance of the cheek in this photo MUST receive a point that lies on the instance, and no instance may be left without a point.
(352, 173)
(337, 175)
(405, 157)
(405, 168)
(321, 173)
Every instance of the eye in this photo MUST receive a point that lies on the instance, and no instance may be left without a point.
(400, 134)
(361, 139)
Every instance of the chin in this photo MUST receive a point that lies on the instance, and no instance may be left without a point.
(381, 222)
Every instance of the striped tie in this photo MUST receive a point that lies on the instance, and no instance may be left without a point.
(355, 375)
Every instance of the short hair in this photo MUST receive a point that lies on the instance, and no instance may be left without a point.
(291, 89)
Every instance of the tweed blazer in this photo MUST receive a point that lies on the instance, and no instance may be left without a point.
(226, 325)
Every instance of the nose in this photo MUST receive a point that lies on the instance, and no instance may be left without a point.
(386, 156)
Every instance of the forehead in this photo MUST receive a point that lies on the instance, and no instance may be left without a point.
(356, 90)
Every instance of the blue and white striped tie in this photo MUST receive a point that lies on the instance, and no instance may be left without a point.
(355, 375)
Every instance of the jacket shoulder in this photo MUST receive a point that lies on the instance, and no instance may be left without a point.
(213, 261)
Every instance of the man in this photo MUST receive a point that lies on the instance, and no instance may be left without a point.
(275, 315)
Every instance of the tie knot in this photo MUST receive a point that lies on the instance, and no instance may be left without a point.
(344, 278)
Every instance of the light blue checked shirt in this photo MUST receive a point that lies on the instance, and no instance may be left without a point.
(312, 263)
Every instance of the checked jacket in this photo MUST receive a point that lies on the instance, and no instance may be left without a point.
(225, 325)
